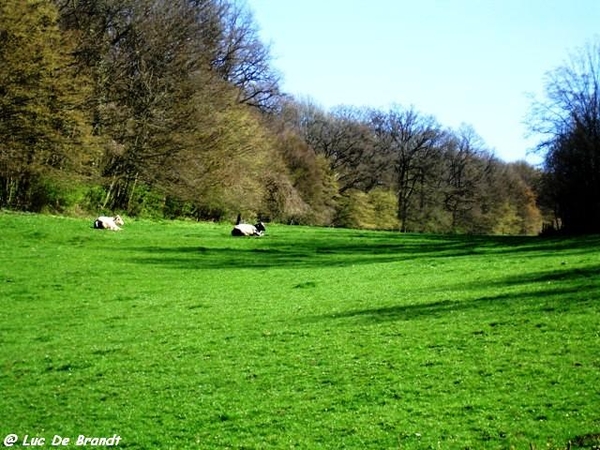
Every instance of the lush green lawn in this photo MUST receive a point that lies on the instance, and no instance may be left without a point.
(176, 335)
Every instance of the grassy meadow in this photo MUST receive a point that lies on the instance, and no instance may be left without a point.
(175, 335)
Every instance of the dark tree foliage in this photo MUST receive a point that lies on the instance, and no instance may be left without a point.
(569, 118)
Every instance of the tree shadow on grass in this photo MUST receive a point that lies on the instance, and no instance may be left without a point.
(288, 256)
(577, 287)
(445, 307)
(348, 249)
(580, 275)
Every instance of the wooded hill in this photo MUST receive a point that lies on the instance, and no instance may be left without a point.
(172, 108)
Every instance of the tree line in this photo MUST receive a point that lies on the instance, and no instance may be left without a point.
(172, 108)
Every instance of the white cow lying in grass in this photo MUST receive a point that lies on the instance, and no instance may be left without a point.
(108, 223)
(246, 229)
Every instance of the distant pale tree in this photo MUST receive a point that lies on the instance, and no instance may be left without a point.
(311, 178)
(568, 119)
(355, 211)
(384, 203)
(221, 168)
(524, 182)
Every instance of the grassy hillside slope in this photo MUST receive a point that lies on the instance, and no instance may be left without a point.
(177, 335)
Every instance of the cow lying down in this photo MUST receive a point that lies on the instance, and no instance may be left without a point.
(108, 223)
(246, 229)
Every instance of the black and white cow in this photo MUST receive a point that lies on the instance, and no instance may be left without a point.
(108, 223)
(246, 229)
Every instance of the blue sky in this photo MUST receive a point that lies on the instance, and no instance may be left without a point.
(462, 61)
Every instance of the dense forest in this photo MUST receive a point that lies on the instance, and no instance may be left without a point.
(172, 108)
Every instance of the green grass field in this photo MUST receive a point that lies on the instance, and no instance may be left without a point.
(175, 335)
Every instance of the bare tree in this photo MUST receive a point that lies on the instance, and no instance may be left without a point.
(410, 142)
(240, 57)
(468, 163)
(343, 136)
